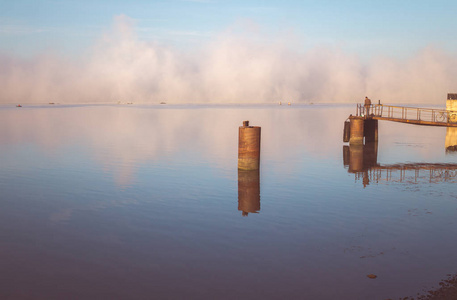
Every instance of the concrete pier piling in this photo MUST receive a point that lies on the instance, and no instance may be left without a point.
(357, 130)
(361, 130)
(370, 130)
(248, 191)
(347, 131)
(248, 147)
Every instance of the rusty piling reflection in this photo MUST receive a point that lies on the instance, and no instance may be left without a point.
(360, 159)
(248, 191)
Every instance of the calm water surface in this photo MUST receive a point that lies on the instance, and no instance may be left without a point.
(144, 202)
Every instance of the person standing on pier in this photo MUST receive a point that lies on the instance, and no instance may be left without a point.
(367, 106)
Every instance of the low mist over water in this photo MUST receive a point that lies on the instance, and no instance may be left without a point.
(239, 64)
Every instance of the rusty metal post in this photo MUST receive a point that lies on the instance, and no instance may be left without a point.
(248, 191)
(357, 124)
(248, 147)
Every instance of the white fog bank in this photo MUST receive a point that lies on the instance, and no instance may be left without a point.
(230, 68)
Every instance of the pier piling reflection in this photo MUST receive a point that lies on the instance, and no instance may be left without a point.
(361, 160)
(248, 191)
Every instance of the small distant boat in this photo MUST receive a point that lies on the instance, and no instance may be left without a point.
(51, 103)
(18, 105)
(162, 103)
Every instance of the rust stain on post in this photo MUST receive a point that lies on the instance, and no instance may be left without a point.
(248, 147)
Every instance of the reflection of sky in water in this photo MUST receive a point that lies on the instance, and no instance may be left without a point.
(146, 197)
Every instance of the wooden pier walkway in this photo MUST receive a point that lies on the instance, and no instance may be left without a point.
(410, 115)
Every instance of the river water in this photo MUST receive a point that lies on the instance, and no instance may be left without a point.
(146, 202)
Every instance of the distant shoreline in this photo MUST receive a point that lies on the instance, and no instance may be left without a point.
(203, 104)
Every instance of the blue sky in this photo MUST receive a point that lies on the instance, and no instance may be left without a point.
(367, 28)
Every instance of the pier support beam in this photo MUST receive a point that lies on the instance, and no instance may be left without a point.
(248, 147)
(357, 127)
(370, 130)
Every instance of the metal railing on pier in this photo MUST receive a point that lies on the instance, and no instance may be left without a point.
(413, 115)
